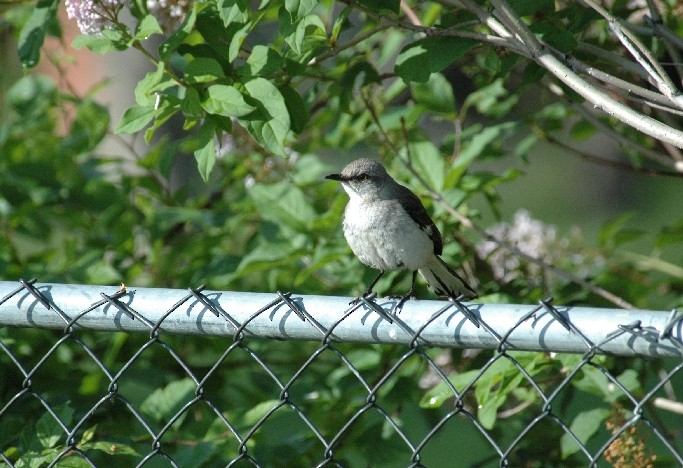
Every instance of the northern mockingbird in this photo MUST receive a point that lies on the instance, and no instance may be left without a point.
(388, 228)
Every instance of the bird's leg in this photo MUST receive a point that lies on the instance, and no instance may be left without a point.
(368, 291)
(410, 295)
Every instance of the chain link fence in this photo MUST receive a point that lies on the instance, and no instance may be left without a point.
(96, 376)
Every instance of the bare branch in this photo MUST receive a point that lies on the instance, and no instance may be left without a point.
(543, 56)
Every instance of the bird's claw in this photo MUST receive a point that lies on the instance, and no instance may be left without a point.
(401, 300)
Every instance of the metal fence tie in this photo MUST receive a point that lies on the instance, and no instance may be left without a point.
(113, 300)
(295, 308)
(197, 294)
(69, 325)
(547, 305)
(370, 303)
(37, 294)
(673, 319)
(465, 311)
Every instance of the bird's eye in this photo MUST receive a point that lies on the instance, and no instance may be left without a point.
(363, 177)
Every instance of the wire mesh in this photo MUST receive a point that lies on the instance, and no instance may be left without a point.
(278, 379)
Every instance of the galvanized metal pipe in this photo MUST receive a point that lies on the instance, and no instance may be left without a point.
(613, 331)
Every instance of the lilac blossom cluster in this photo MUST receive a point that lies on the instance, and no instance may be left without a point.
(531, 237)
(92, 16)
(169, 13)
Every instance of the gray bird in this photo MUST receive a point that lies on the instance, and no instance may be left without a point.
(388, 228)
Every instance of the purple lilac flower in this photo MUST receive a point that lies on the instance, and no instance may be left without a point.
(92, 16)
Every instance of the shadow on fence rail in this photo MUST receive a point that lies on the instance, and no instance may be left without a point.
(285, 380)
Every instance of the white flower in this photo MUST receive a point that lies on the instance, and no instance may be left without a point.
(92, 16)
(531, 237)
(169, 13)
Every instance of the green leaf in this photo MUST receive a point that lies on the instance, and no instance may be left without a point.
(493, 100)
(584, 426)
(237, 41)
(555, 35)
(670, 235)
(595, 382)
(436, 94)
(163, 403)
(382, 6)
(203, 70)
(111, 448)
(358, 75)
(309, 34)
(168, 107)
(206, 154)
(441, 393)
(283, 203)
(474, 147)
(143, 90)
(147, 27)
(429, 163)
(488, 411)
(582, 130)
(263, 61)
(529, 7)
(252, 416)
(609, 231)
(97, 44)
(167, 47)
(296, 107)
(492, 61)
(135, 118)
(33, 32)
(267, 256)
(233, 11)
(340, 22)
(191, 105)
(48, 430)
(227, 101)
(418, 60)
(299, 8)
(271, 126)
(107, 41)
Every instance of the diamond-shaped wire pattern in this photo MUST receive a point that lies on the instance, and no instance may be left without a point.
(286, 380)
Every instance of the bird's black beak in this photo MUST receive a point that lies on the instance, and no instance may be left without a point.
(337, 177)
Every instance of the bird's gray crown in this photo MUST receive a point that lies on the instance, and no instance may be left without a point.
(364, 167)
(365, 178)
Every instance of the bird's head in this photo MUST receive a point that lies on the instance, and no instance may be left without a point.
(363, 178)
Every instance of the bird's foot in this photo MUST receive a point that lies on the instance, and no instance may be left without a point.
(402, 300)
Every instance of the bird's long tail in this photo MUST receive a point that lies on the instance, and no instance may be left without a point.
(444, 281)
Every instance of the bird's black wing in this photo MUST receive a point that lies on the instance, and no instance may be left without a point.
(417, 212)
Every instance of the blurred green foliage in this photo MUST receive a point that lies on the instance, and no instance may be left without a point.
(264, 97)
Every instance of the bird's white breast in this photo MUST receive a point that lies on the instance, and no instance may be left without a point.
(384, 236)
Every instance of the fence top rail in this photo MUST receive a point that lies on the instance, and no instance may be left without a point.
(542, 327)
